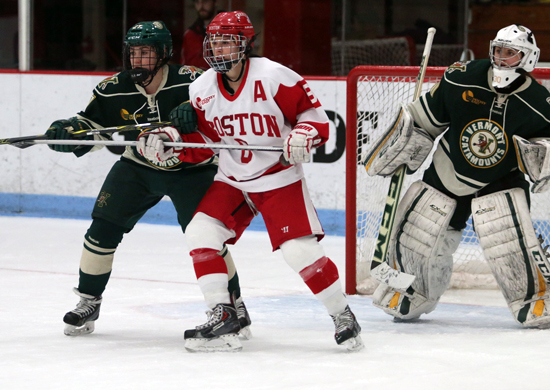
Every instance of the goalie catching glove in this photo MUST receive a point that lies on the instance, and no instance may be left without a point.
(151, 144)
(401, 144)
(62, 129)
(534, 160)
(184, 118)
(300, 143)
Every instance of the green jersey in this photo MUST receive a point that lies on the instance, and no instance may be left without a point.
(118, 101)
(477, 149)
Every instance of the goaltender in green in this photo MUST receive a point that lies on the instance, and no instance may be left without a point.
(496, 119)
(146, 91)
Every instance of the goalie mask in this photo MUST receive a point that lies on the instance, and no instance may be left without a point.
(151, 34)
(513, 52)
(229, 39)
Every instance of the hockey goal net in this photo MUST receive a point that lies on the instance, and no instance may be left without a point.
(374, 94)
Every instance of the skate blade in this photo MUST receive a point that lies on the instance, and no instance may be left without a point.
(354, 344)
(225, 343)
(245, 333)
(71, 330)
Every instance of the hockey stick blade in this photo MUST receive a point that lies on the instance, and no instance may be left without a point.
(392, 277)
(26, 141)
(22, 142)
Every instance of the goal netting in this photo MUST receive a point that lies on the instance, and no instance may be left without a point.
(374, 94)
(384, 51)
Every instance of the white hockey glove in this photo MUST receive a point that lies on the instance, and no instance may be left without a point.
(151, 144)
(401, 144)
(299, 144)
(534, 160)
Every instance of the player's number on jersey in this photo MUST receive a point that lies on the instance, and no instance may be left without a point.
(246, 155)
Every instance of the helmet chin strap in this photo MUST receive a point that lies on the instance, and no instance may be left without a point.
(240, 74)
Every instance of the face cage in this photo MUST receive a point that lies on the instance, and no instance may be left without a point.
(224, 63)
(503, 66)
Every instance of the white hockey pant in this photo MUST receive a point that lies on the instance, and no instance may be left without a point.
(421, 244)
(503, 224)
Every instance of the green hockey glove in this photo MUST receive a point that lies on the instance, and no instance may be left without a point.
(184, 118)
(60, 130)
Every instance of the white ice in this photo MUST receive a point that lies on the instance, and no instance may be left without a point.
(469, 342)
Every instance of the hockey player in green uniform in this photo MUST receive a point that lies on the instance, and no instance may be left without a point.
(496, 119)
(146, 91)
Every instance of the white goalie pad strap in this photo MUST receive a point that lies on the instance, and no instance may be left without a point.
(401, 144)
(534, 160)
(421, 223)
(514, 253)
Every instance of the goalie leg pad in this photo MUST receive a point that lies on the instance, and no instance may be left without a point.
(410, 304)
(421, 245)
(503, 224)
(401, 144)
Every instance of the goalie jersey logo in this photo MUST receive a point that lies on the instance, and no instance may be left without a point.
(484, 143)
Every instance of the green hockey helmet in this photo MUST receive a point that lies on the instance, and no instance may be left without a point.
(154, 34)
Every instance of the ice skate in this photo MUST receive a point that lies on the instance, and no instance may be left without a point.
(244, 320)
(220, 333)
(347, 330)
(81, 320)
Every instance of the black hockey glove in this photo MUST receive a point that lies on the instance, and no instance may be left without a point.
(184, 118)
(60, 130)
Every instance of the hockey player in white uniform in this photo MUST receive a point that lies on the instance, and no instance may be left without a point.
(255, 101)
(496, 120)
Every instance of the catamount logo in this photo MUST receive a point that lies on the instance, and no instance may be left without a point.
(468, 96)
(127, 116)
(483, 143)
(202, 102)
(109, 80)
(460, 66)
(193, 71)
(102, 200)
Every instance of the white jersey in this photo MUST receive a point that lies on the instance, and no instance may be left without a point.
(270, 101)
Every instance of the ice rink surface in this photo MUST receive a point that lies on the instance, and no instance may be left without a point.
(469, 342)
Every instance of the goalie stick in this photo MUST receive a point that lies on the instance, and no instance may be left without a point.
(25, 142)
(380, 270)
(168, 144)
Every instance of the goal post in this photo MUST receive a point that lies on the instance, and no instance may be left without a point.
(374, 95)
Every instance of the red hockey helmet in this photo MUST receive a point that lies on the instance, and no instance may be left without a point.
(234, 23)
(233, 34)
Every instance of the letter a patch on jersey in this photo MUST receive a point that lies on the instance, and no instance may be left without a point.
(259, 92)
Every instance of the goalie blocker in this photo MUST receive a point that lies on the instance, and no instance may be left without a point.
(503, 224)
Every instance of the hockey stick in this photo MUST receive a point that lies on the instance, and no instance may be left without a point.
(25, 142)
(168, 144)
(380, 270)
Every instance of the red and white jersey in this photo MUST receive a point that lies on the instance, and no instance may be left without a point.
(270, 101)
